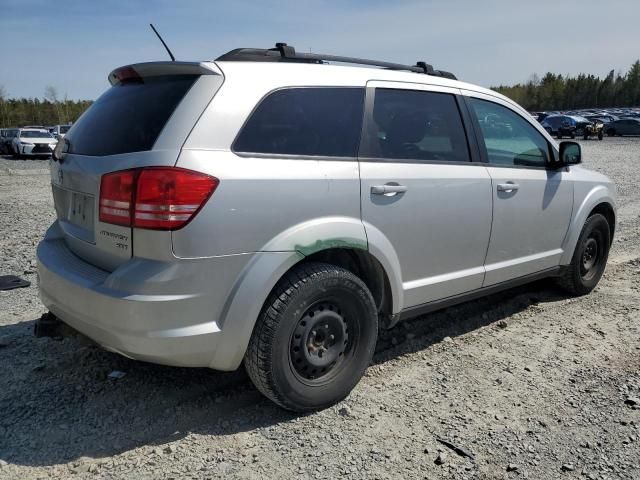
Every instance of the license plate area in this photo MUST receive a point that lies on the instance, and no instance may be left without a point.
(76, 212)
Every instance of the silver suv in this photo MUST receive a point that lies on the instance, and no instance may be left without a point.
(274, 208)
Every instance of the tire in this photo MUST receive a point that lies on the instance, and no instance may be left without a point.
(611, 132)
(572, 135)
(585, 136)
(600, 135)
(559, 135)
(589, 258)
(314, 339)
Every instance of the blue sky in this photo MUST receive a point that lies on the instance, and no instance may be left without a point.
(73, 44)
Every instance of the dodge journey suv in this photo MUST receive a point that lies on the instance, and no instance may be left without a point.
(277, 209)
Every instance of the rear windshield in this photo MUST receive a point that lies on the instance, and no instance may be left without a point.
(129, 116)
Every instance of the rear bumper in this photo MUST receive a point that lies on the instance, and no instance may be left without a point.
(161, 312)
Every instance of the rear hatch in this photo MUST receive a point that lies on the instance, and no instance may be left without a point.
(141, 121)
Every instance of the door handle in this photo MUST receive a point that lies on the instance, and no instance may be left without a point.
(388, 189)
(508, 187)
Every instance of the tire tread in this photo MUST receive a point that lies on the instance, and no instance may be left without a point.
(258, 357)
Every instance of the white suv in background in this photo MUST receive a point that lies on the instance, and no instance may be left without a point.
(33, 143)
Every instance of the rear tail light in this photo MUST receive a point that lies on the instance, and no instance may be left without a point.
(116, 197)
(157, 198)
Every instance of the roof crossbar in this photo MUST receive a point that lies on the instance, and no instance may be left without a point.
(286, 53)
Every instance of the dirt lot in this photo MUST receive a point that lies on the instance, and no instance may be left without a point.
(527, 383)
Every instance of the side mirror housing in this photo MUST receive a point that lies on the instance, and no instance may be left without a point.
(570, 153)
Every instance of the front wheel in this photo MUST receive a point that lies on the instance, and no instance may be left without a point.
(314, 338)
(589, 257)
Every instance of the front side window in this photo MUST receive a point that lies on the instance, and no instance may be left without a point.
(417, 126)
(509, 138)
(309, 121)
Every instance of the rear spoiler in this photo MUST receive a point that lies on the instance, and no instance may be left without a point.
(152, 69)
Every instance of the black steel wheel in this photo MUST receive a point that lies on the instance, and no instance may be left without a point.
(314, 338)
(320, 341)
(589, 257)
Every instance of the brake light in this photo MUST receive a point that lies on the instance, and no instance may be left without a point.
(116, 197)
(157, 198)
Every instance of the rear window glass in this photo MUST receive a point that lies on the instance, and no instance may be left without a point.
(305, 121)
(412, 125)
(129, 116)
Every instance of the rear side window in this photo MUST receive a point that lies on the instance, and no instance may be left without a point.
(129, 116)
(305, 121)
(413, 125)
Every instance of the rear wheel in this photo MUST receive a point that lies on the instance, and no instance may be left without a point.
(589, 258)
(314, 338)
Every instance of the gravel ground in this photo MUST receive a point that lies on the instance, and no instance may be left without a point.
(523, 384)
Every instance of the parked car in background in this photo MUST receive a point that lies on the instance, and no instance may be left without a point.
(30, 142)
(572, 126)
(624, 126)
(59, 131)
(603, 118)
(6, 136)
(290, 210)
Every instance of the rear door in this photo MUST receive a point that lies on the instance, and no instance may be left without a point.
(532, 203)
(421, 190)
(142, 120)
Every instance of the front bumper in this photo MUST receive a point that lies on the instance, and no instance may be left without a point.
(154, 319)
(36, 150)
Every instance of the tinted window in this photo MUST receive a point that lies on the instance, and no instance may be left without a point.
(416, 125)
(305, 121)
(129, 116)
(509, 138)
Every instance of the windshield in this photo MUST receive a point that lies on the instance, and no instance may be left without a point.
(34, 134)
(577, 118)
(65, 128)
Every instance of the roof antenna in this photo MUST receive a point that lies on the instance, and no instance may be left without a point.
(173, 59)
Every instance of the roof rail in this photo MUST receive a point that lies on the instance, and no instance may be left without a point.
(286, 53)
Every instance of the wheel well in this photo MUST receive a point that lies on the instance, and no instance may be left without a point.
(606, 210)
(365, 266)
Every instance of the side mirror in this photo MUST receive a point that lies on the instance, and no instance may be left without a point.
(570, 153)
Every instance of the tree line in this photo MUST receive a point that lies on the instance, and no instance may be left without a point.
(551, 92)
(557, 92)
(51, 110)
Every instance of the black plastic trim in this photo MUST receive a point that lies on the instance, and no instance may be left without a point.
(475, 294)
(289, 156)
